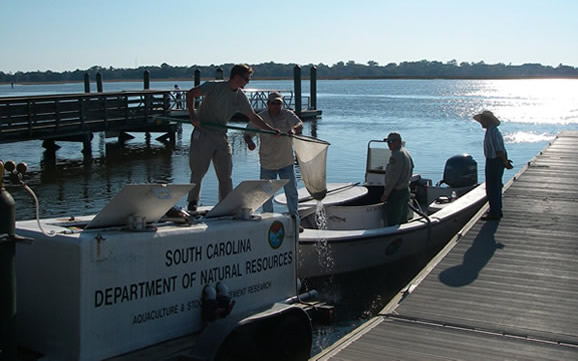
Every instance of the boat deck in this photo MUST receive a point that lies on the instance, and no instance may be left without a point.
(499, 290)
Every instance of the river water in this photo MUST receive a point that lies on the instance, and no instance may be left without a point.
(433, 116)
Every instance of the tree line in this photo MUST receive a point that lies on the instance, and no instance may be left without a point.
(423, 69)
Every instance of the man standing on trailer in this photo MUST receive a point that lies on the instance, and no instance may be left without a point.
(209, 142)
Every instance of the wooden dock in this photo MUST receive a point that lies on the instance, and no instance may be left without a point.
(500, 290)
(74, 117)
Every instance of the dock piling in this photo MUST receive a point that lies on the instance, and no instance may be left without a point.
(297, 86)
(147, 80)
(219, 74)
(99, 82)
(313, 87)
(86, 83)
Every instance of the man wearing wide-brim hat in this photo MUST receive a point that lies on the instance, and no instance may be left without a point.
(496, 161)
(396, 186)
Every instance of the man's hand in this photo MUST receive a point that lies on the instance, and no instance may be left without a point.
(508, 164)
(383, 198)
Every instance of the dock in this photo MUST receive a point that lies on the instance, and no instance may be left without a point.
(499, 290)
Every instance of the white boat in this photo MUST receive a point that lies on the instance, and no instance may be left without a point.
(120, 282)
(345, 231)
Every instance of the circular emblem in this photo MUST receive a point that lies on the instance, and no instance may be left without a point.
(276, 234)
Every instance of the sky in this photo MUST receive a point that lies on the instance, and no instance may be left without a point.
(60, 35)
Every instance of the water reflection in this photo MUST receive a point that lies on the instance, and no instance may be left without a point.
(84, 186)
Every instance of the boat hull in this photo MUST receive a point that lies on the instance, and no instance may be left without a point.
(330, 252)
(93, 294)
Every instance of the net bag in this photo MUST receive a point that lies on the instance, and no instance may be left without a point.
(312, 157)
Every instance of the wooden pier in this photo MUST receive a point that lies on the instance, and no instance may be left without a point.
(75, 117)
(500, 290)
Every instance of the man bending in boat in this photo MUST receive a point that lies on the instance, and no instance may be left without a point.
(397, 174)
(276, 153)
(209, 142)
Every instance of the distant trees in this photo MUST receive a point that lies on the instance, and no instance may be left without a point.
(422, 69)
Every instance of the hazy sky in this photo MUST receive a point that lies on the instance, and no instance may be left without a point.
(62, 35)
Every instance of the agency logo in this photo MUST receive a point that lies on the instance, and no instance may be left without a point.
(276, 234)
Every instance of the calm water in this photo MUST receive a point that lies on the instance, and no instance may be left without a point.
(433, 116)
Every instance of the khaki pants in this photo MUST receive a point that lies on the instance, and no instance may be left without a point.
(207, 147)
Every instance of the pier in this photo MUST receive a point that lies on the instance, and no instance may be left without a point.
(75, 117)
(500, 290)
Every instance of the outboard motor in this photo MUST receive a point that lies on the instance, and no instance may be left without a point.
(461, 171)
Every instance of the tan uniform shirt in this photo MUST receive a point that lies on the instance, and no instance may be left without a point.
(398, 171)
(276, 152)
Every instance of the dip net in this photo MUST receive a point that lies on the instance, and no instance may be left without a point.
(312, 157)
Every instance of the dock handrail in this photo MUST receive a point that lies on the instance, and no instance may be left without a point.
(257, 98)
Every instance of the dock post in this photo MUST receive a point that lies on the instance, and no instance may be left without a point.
(297, 88)
(197, 77)
(313, 87)
(197, 83)
(86, 83)
(147, 80)
(219, 74)
(99, 82)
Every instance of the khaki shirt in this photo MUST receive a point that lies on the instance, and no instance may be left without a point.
(276, 152)
(220, 103)
(398, 171)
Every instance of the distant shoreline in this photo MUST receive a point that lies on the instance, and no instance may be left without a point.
(303, 78)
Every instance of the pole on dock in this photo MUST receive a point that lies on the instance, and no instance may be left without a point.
(147, 80)
(99, 82)
(313, 87)
(197, 77)
(86, 83)
(219, 74)
(197, 83)
(297, 88)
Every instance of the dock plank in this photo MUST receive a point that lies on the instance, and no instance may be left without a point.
(502, 291)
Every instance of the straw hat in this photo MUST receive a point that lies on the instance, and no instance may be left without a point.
(487, 116)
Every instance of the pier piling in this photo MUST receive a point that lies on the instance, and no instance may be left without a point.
(313, 87)
(99, 82)
(219, 74)
(297, 88)
(86, 83)
(147, 80)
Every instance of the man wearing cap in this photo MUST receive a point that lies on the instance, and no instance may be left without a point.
(396, 187)
(209, 142)
(496, 161)
(276, 153)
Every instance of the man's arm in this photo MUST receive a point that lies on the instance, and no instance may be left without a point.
(504, 159)
(392, 175)
(191, 95)
(258, 121)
